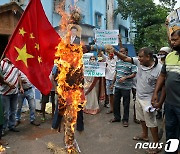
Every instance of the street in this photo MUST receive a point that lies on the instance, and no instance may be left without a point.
(99, 137)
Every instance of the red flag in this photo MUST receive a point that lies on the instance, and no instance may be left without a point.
(32, 46)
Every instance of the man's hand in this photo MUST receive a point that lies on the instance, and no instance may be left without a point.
(157, 105)
(111, 86)
(21, 90)
(11, 86)
(121, 80)
(154, 101)
(119, 37)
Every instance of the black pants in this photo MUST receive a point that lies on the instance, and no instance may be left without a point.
(126, 102)
(58, 118)
(1, 128)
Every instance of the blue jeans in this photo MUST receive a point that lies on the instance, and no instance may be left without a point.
(126, 101)
(172, 118)
(9, 107)
(29, 95)
(57, 118)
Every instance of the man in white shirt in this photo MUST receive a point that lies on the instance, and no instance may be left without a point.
(110, 73)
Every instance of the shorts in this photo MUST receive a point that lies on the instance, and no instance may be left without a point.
(109, 91)
(143, 115)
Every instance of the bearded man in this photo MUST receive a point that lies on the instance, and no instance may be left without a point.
(170, 77)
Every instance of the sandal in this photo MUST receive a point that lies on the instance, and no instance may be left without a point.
(140, 138)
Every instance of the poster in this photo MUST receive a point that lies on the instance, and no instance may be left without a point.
(173, 21)
(94, 69)
(104, 37)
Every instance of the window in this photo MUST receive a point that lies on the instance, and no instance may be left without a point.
(119, 29)
(126, 33)
(98, 18)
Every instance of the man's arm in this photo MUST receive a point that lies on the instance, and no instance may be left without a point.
(162, 98)
(123, 57)
(159, 85)
(114, 80)
(120, 41)
(127, 77)
(92, 85)
(20, 84)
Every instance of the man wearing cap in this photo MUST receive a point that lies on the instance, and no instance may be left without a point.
(163, 52)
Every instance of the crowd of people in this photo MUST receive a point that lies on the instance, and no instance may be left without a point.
(152, 80)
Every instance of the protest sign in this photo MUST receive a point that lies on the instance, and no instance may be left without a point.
(104, 37)
(95, 69)
(87, 56)
(173, 21)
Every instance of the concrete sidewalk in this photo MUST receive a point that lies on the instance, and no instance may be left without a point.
(99, 137)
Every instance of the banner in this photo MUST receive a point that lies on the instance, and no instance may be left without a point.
(87, 56)
(95, 69)
(104, 37)
(173, 21)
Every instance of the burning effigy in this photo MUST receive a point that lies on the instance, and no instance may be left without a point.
(70, 79)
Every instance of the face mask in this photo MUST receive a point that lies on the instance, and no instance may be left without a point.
(100, 58)
(161, 56)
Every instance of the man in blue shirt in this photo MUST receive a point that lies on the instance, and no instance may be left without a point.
(125, 72)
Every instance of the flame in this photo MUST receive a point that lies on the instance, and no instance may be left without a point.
(70, 78)
(70, 85)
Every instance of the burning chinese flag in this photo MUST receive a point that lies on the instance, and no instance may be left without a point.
(32, 46)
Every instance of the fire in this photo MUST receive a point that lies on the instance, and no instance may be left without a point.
(70, 87)
(70, 78)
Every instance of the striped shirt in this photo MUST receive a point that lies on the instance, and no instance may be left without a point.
(124, 69)
(10, 74)
(26, 84)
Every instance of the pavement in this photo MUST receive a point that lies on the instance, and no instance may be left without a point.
(99, 137)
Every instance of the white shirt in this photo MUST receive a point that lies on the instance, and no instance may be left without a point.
(110, 68)
(72, 39)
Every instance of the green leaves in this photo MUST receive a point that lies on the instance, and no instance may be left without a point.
(149, 19)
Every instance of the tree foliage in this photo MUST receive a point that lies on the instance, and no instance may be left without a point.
(149, 20)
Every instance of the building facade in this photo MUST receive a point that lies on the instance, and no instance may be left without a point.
(95, 14)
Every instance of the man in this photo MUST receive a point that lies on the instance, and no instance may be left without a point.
(163, 52)
(148, 72)
(74, 39)
(109, 74)
(125, 72)
(2, 141)
(27, 92)
(170, 77)
(9, 95)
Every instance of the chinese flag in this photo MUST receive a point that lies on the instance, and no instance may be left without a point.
(32, 46)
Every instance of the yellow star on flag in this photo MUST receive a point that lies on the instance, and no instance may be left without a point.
(23, 55)
(36, 46)
(31, 36)
(39, 59)
(21, 31)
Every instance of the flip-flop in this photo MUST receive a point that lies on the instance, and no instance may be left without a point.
(140, 138)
